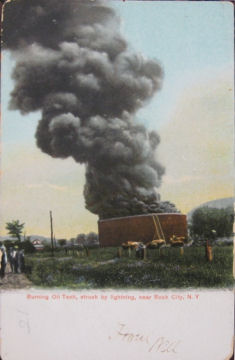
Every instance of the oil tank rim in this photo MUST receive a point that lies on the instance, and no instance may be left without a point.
(142, 215)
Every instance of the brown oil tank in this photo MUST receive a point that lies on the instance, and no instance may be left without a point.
(115, 231)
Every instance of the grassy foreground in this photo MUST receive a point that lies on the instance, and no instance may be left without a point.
(103, 269)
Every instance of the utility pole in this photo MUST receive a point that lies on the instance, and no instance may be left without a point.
(52, 239)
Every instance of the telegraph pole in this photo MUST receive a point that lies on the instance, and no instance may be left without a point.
(52, 238)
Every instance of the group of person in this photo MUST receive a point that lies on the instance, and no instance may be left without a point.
(14, 256)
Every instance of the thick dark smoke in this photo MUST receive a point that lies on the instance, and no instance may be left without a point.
(73, 64)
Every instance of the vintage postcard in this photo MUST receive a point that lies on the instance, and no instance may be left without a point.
(117, 180)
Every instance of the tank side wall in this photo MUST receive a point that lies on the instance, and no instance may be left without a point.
(114, 232)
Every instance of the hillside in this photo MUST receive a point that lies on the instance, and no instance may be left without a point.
(218, 204)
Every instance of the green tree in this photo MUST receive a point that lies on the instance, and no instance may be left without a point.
(14, 228)
(8, 243)
(206, 222)
(62, 242)
(81, 239)
(92, 239)
(26, 245)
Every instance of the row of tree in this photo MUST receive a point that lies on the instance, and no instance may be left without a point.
(15, 229)
(26, 245)
(88, 240)
(206, 222)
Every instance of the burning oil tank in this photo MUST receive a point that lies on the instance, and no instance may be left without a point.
(115, 231)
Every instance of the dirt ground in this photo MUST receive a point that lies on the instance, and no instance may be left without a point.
(14, 281)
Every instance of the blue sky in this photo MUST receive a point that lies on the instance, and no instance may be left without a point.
(188, 38)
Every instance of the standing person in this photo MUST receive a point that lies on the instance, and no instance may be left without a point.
(1, 255)
(140, 251)
(11, 258)
(20, 259)
(15, 259)
(3, 261)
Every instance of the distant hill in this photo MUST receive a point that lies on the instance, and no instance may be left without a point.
(32, 237)
(39, 237)
(2, 238)
(218, 204)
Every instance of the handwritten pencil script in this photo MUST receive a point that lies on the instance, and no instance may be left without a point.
(153, 343)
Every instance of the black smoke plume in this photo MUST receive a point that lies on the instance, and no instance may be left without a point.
(73, 64)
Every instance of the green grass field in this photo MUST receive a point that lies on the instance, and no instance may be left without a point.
(103, 269)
